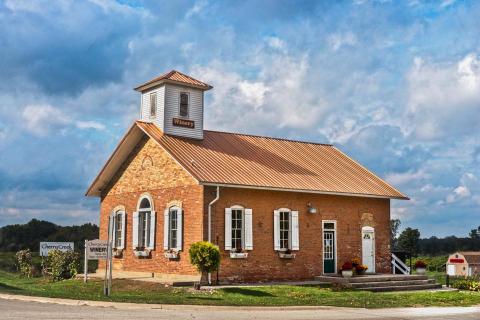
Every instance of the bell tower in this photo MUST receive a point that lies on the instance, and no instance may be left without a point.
(174, 102)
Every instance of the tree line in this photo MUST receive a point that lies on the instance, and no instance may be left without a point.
(17, 237)
(410, 242)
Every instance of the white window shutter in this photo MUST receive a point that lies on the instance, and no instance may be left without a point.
(248, 230)
(179, 229)
(228, 228)
(295, 231)
(124, 225)
(276, 230)
(151, 244)
(165, 229)
(135, 230)
(114, 229)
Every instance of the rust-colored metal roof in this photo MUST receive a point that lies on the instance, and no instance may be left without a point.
(177, 77)
(241, 160)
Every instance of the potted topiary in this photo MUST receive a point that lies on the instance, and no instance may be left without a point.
(347, 270)
(420, 267)
(205, 256)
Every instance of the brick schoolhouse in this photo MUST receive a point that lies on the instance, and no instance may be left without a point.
(278, 209)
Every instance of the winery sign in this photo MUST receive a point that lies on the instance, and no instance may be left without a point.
(183, 123)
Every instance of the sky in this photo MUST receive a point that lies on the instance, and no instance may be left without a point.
(394, 84)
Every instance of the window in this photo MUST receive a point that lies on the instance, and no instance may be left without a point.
(184, 104)
(144, 224)
(173, 228)
(284, 230)
(286, 233)
(237, 229)
(118, 229)
(153, 104)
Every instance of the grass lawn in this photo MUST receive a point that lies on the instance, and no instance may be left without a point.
(282, 295)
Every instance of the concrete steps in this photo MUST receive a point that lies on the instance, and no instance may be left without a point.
(383, 283)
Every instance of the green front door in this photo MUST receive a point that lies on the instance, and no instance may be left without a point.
(328, 251)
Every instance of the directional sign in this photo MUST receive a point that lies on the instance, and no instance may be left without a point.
(97, 249)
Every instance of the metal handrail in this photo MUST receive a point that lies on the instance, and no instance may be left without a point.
(398, 264)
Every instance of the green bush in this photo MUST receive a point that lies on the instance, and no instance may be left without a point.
(467, 284)
(436, 263)
(24, 262)
(205, 256)
(63, 265)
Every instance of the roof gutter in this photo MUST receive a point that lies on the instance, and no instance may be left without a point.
(210, 214)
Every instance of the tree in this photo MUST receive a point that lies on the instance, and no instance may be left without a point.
(394, 227)
(475, 233)
(205, 256)
(408, 241)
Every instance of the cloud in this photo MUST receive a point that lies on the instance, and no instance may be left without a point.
(338, 40)
(443, 99)
(196, 8)
(39, 119)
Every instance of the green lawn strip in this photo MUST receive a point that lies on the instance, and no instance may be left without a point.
(281, 295)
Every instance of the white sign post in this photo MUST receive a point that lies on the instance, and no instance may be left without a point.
(94, 250)
(46, 247)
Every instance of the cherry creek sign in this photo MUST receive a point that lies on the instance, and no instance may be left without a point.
(46, 247)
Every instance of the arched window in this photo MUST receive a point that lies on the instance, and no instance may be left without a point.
(144, 224)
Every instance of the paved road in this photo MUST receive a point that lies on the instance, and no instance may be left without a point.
(15, 309)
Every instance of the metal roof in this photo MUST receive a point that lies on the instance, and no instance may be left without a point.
(175, 77)
(241, 160)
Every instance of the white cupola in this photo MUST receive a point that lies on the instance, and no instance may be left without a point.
(174, 102)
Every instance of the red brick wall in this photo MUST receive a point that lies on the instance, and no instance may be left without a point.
(150, 170)
(263, 263)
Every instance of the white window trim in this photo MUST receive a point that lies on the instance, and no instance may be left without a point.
(116, 213)
(148, 231)
(179, 228)
(188, 105)
(334, 243)
(238, 207)
(289, 229)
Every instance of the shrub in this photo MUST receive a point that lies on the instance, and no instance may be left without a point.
(420, 264)
(347, 266)
(205, 256)
(24, 262)
(467, 284)
(62, 265)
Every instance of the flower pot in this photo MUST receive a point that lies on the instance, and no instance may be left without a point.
(118, 253)
(142, 254)
(238, 255)
(171, 255)
(421, 271)
(347, 273)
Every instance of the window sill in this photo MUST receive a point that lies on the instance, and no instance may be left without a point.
(171, 255)
(283, 255)
(238, 255)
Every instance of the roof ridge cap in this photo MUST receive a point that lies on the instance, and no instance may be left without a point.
(273, 138)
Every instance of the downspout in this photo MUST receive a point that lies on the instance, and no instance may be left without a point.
(210, 224)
